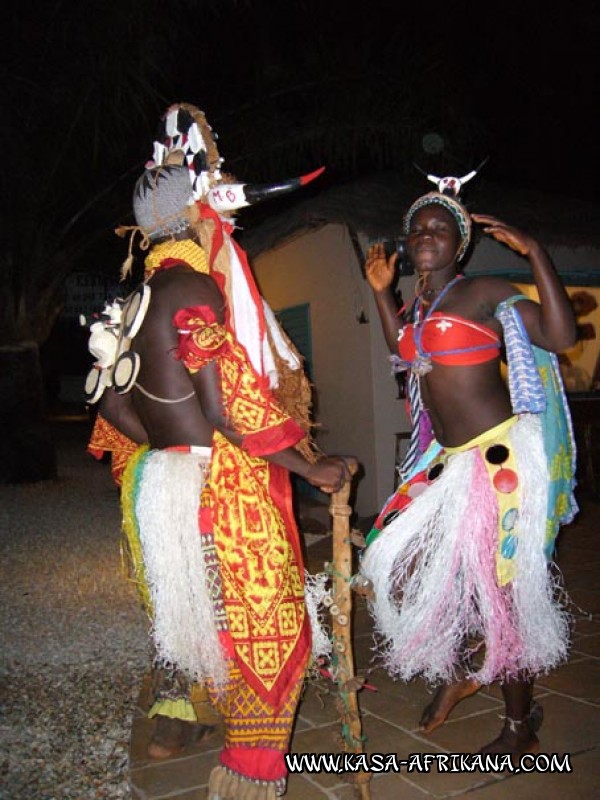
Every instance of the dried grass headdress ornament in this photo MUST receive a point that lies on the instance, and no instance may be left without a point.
(186, 140)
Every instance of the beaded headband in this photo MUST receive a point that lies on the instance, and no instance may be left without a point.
(458, 211)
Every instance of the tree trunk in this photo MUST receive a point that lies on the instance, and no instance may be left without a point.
(27, 451)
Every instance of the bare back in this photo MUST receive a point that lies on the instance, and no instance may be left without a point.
(161, 374)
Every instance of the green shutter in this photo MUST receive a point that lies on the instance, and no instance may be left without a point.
(295, 321)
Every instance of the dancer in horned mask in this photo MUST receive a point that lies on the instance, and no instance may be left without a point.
(201, 365)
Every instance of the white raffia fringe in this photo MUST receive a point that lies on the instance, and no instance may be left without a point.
(315, 589)
(540, 601)
(433, 573)
(184, 630)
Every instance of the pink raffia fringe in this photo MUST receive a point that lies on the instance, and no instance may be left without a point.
(433, 572)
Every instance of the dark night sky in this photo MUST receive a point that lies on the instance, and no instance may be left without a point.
(524, 75)
(517, 82)
(533, 80)
(289, 85)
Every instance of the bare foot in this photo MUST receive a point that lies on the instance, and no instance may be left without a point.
(516, 739)
(172, 735)
(446, 697)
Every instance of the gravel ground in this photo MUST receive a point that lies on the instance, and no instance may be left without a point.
(74, 638)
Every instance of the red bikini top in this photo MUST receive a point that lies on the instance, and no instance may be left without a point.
(447, 339)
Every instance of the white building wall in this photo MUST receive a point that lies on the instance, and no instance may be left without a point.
(321, 268)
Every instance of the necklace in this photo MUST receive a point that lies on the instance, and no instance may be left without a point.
(176, 250)
(426, 293)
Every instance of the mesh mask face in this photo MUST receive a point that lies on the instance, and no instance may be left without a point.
(161, 199)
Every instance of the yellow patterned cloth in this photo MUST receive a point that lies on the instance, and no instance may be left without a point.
(131, 534)
(256, 738)
(255, 534)
(125, 458)
(508, 499)
(246, 396)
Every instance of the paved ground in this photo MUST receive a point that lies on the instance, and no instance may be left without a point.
(570, 697)
(73, 637)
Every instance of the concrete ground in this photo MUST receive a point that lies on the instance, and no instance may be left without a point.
(570, 697)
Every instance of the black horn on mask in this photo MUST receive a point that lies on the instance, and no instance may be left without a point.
(232, 196)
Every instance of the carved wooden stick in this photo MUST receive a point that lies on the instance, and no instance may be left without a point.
(341, 612)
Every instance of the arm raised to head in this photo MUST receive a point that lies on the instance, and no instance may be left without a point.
(551, 322)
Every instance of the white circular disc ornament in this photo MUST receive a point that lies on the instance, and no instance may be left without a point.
(126, 371)
(94, 386)
(135, 310)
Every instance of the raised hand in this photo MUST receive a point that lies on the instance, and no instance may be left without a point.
(518, 241)
(379, 270)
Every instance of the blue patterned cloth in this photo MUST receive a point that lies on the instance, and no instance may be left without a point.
(536, 387)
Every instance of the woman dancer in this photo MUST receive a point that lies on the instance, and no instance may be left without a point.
(458, 557)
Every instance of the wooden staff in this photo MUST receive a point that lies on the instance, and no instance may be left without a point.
(341, 612)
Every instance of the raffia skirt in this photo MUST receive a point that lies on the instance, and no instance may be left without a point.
(457, 565)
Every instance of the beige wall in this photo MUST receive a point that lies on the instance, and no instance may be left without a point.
(357, 409)
(580, 362)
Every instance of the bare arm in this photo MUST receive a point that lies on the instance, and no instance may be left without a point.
(380, 275)
(119, 411)
(328, 474)
(551, 323)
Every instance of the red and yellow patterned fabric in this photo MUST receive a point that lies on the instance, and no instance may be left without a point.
(256, 740)
(105, 438)
(255, 533)
(246, 396)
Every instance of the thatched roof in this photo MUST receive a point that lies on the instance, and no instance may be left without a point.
(374, 206)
